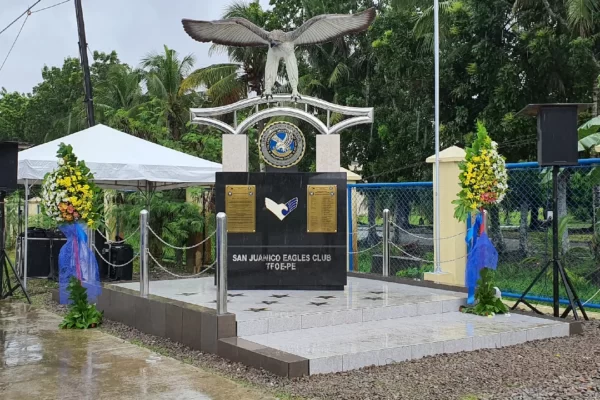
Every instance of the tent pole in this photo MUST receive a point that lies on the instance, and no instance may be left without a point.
(26, 234)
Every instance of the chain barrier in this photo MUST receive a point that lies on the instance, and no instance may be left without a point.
(365, 250)
(118, 241)
(415, 258)
(111, 264)
(592, 298)
(371, 227)
(427, 238)
(180, 276)
(183, 247)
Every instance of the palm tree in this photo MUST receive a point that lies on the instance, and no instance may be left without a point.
(120, 91)
(223, 82)
(227, 83)
(163, 75)
(580, 13)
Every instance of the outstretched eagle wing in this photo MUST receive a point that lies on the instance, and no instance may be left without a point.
(325, 28)
(288, 140)
(291, 206)
(237, 32)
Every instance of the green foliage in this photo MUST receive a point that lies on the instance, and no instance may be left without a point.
(81, 315)
(485, 295)
(170, 216)
(490, 69)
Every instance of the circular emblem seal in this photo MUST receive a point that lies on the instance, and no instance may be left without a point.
(282, 144)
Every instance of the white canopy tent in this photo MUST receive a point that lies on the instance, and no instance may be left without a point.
(118, 161)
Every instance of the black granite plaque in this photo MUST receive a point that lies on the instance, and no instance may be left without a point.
(281, 254)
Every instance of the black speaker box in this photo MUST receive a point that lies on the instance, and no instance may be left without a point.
(557, 136)
(42, 252)
(8, 165)
(117, 254)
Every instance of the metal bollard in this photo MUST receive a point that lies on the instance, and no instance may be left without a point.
(144, 278)
(484, 222)
(386, 242)
(91, 239)
(221, 263)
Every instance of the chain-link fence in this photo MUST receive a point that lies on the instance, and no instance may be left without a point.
(521, 229)
(411, 233)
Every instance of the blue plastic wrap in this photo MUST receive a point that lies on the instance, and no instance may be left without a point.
(77, 259)
(482, 254)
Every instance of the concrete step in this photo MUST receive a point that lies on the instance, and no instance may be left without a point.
(385, 308)
(352, 346)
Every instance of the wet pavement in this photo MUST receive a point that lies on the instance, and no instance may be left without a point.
(39, 361)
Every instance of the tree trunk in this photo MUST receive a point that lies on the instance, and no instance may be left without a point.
(523, 248)
(401, 219)
(494, 231)
(595, 206)
(373, 237)
(563, 183)
(535, 223)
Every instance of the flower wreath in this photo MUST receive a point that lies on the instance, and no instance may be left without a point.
(483, 176)
(68, 191)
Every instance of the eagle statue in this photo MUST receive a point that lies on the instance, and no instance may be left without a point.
(240, 32)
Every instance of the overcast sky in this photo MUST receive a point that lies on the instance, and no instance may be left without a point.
(131, 27)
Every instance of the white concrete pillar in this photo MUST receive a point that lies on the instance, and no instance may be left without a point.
(328, 153)
(454, 248)
(235, 153)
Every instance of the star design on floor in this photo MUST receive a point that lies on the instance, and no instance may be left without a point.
(235, 294)
(269, 302)
(373, 298)
(187, 294)
(257, 309)
(279, 296)
(326, 297)
(314, 303)
(376, 292)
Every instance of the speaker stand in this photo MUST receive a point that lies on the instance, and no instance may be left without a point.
(557, 268)
(6, 287)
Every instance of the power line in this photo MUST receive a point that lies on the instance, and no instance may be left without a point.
(52, 6)
(19, 17)
(13, 45)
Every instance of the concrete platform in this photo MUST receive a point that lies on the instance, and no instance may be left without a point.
(371, 322)
(267, 311)
(352, 346)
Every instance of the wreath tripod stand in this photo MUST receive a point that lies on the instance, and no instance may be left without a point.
(558, 269)
(6, 286)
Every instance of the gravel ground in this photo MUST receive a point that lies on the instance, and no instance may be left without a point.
(565, 368)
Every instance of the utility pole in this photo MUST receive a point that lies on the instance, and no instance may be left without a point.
(87, 82)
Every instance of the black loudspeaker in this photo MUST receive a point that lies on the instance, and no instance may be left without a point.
(557, 135)
(8, 165)
(42, 252)
(117, 254)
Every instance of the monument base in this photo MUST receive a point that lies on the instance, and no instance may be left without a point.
(295, 238)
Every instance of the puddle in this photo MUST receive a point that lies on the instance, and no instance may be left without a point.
(39, 361)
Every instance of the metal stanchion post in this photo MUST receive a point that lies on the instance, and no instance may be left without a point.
(91, 239)
(386, 242)
(144, 278)
(221, 263)
(484, 222)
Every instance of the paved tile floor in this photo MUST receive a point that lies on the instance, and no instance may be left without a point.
(340, 348)
(39, 361)
(264, 311)
(369, 323)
